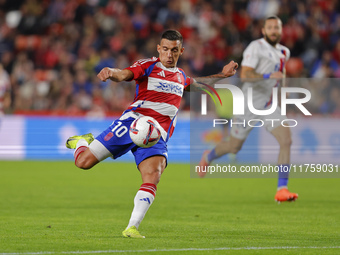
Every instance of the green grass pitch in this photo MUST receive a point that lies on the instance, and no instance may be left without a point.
(55, 207)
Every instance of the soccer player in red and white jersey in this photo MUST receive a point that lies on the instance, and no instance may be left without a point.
(263, 60)
(159, 88)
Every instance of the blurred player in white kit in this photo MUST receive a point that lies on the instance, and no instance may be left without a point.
(264, 59)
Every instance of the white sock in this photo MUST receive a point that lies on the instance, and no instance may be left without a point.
(143, 200)
(82, 142)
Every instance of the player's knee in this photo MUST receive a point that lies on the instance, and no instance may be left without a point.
(235, 148)
(286, 141)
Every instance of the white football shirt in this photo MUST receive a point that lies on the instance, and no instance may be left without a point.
(264, 58)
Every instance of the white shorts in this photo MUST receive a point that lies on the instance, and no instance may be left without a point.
(242, 125)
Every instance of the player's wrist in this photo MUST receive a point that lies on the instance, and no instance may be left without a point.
(266, 75)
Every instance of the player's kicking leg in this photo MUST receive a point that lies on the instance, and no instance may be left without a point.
(83, 157)
(283, 136)
(232, 145)
(151, 163)
(151, 170)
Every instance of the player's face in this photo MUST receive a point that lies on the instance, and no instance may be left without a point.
(169, 52)
(272, 31)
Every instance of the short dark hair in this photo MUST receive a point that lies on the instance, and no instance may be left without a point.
(271, 17)
(172, 35)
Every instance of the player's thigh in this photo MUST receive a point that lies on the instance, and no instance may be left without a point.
(113, 142)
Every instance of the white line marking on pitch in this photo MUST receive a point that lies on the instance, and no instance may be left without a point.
(165, 250)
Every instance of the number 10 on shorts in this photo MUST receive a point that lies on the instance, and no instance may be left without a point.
(119, 130)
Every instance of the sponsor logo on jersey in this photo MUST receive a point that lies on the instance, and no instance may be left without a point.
(165, 86)
(170, 87)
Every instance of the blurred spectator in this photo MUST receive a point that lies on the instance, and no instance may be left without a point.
(52, 50)
(5, 87)
(325, 67)
(335, 95)
(105, 59)
(81, 83)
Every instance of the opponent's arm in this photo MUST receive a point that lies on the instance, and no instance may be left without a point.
(227, 71)
(248, 73)
(115, 74)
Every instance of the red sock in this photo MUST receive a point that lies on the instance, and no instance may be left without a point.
(149, 187)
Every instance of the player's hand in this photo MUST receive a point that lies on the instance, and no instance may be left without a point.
(276, 75)
(105, 74)
(230, 69)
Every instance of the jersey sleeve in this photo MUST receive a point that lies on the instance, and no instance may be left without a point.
(140, 67)
(188, 82)
(137, 69)
(288, 54)
(187, 79)
(250, 56)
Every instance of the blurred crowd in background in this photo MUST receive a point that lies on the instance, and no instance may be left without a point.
(52, 50)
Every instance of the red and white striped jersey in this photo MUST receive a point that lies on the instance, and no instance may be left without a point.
(159, 91)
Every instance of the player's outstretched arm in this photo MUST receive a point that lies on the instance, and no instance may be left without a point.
(115, 74)
(227, 71)
(249, 74)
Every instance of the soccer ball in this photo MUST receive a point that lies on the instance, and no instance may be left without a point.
(145, 132)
